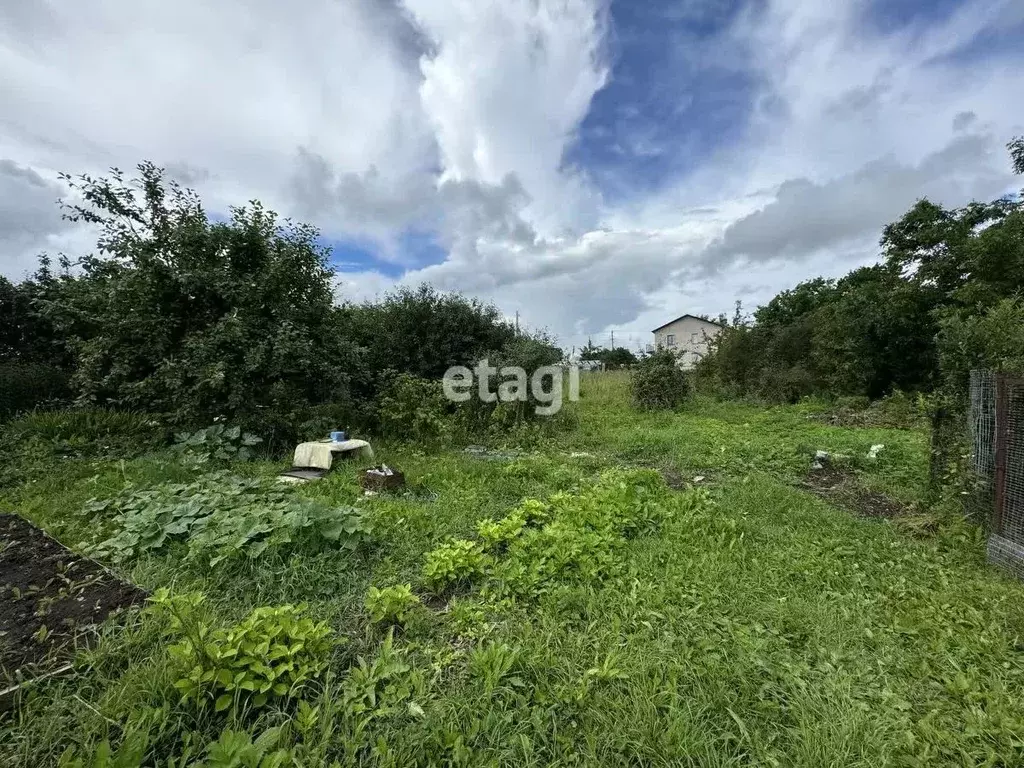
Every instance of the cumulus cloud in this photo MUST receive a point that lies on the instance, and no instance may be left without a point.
(30, 221)
(375, 118)
(805, 216)
(505, 90)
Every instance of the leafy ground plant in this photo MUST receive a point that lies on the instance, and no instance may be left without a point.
(216, 443)
(221, 516)
(272, 653)
(453, 563)
(391, 605)
(584, 533)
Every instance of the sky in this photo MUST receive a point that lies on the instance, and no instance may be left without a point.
(593, 166)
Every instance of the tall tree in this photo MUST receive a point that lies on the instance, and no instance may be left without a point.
(197, 318)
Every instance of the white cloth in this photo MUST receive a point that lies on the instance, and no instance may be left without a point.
(321, 454)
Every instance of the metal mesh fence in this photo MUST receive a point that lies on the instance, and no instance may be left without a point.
(1006, 443)
(982, 423)
(1010, 458)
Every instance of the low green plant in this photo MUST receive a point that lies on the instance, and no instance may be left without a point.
(391, 605)
(216, 443)
(88, 431)
(378, 688)
(558, 553)
(220, 516)
(582, 535)
(238, 749)
(271, 653)
(496, 534)
(491, 664)
(454, 562)
(130, 753)
(535, 511)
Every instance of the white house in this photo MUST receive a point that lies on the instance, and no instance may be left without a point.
(687, 336)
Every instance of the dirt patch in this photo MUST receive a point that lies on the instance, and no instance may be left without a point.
(841, 488)
(437, 603)
(681, 481)
(51, 599)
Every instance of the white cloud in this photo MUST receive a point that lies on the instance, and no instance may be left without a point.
(371, 117)
(806, 216)
(505, 89)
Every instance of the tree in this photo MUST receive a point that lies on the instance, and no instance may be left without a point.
(618, 357)
(612, 359)
(931, 246)
(794, 305)
(1016, 147)
(875, 329)
(26, 334)
(193, 318)
(423, 331)
(591, 353)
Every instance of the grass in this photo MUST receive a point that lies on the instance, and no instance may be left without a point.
(758, 626)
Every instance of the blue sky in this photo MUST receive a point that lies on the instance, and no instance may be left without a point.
(414, 250)
(664, 108)
(590, 165)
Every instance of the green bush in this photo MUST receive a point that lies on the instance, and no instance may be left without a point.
(391, 605)
(992, 340)
(516, 418)
(24, 386)
(786, 385)
(220, 517)
(272, 653)
(657, 383)
(199, 319)
(423, 332)
(415, 409)
(318, 421)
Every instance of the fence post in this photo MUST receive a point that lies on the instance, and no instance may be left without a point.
(1002, 436)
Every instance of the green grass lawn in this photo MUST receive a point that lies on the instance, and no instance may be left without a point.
(754, 625)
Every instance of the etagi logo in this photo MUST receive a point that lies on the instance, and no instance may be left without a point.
(545, 385)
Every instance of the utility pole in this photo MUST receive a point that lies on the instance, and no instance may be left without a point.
(613, 339)
(517, 322)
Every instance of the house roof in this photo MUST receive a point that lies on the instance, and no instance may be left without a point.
(709, 322)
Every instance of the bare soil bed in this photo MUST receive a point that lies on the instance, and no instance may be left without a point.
(51, 599)
(842, 488)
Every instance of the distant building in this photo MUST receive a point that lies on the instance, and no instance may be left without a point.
(688, 337)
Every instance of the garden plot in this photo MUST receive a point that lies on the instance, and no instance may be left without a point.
(53, 599)
(562, 606)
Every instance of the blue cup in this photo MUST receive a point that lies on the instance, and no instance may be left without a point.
(337, 437)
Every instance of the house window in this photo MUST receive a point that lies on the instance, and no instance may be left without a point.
(671, 340)
(693, 338)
